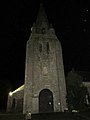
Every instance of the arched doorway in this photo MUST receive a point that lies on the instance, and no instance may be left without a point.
(46, 101)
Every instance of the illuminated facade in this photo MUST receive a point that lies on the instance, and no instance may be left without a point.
(44, 89)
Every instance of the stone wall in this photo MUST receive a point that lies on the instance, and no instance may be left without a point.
(15, 102)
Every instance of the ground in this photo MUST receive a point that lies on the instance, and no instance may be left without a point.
(48, 116)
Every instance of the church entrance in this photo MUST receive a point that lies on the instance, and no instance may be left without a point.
(46, 101)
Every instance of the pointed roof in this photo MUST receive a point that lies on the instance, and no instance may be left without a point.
(42, 21)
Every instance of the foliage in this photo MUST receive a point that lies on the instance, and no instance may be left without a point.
(76, 92)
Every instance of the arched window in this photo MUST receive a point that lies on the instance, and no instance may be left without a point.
(43, 30)
(48, 47)
(40, 47)
(13, 103)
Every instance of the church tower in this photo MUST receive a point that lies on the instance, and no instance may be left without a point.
(45, 88)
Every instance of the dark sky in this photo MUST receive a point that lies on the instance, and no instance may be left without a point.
(71, 21)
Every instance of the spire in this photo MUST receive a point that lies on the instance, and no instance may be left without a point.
(41, 21)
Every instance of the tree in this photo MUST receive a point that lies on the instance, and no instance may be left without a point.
(76, 92)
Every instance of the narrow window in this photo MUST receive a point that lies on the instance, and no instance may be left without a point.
(48, 47)
(43, 30)
(40, 47)
(13, 103)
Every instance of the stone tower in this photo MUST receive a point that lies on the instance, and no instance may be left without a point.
(45, 88)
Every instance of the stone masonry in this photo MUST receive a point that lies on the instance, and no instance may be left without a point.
(44, 66)
(44, 89)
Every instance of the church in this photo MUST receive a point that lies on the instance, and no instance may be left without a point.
(44, 88)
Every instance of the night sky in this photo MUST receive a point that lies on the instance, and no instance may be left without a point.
(71, 21)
